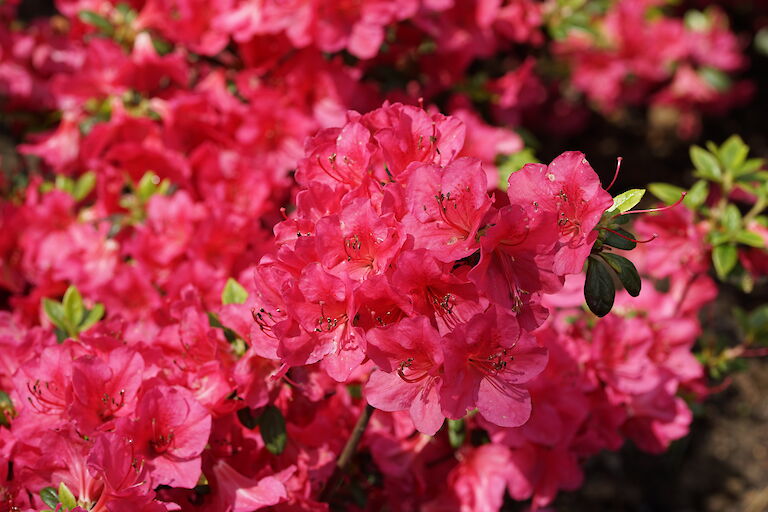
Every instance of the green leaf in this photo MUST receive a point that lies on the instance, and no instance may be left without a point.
(618, 242)
(628, 275)
(599, 290)
(92, 316)
(749, 167)
(732, 219)
(272, 426)
(7, 410)
(719, 80)
(733, 153)
(97, 20)
(750, 238)
(233, 293)
(627, 200)
(49, 496)
(55, 312)
(64, 183)
(147, 186)
(724, 258)
(666, 192)
(66, 497)
(84, 185)
(247, 419)
(73, 306)
(456, 433)
(706, 164)
(761, 41)
(697, 195)
(513, 163)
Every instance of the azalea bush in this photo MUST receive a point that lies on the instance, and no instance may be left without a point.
(300, 255)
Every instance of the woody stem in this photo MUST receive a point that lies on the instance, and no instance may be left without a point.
(346, 454)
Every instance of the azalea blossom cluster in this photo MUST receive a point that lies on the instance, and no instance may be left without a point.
(397, 273)
(231, 230)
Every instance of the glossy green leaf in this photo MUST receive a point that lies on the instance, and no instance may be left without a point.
(49, 496)
(247, 419)
(599, 290)
(627, 200)
(724, 258)
(627, 272)
(233, 293)
(666, 192)
(618, 242)
(272, 426)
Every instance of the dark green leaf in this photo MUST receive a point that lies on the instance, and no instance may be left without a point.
(627, 272)
(246, 417)
(599, 290)
(272, 426)
(724, 257)
(618, 242)
(49, 496)
(456, 433)
(666, 192)
(233, 293)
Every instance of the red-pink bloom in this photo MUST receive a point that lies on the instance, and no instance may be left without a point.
(169, 430)
(105, 389)
(487, 364)
(447, 206)
(410, 359)
(570, 195)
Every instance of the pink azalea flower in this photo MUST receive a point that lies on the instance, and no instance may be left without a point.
(169, 430)
(409, 358)
(487, 364)
(447, 206)
(570, 195)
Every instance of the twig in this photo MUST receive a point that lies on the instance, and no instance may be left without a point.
(346, 454)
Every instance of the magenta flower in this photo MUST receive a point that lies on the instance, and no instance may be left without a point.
(409, 378)
(170, 431)
(487, 363)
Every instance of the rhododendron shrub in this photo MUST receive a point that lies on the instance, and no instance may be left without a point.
(274, 254)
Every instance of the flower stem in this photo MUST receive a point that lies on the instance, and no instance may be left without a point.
(346, 454)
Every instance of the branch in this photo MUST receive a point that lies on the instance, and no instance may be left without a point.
(346, 454)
